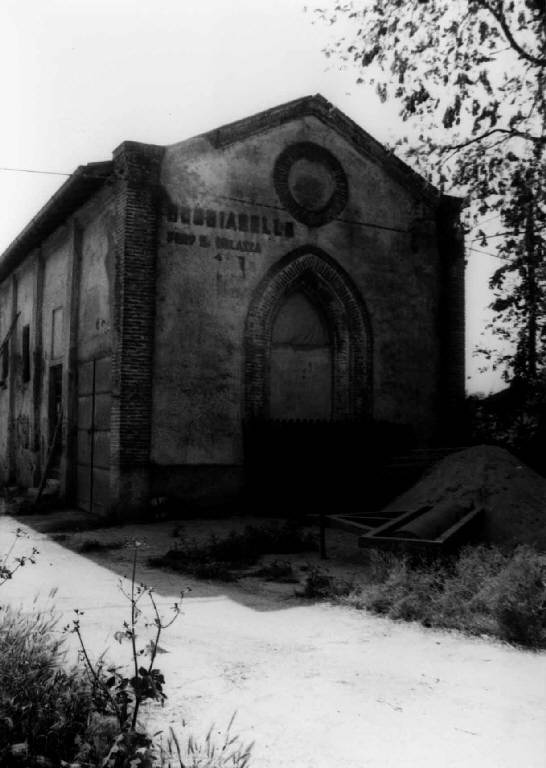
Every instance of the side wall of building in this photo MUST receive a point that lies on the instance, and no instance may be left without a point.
(91, 354)
(62, 292)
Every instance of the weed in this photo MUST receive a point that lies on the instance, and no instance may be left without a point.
(94, 545)
(44, 710)
(229, 752)
(219, 557)
(481, 591)
(118, 694)
(520, 606)
(278, 570)
(80, 524)
(9, 563)
(320, 584)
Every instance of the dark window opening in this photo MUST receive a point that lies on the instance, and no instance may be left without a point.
(26, 353)
(5, 362)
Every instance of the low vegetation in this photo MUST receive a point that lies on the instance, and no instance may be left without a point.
(94, 545)
(482, 591)
(45, 711)
(90, 715)
(222, 558)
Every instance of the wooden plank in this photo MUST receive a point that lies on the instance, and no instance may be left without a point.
(455, 532)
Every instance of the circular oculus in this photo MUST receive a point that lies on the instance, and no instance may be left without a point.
(310, 183)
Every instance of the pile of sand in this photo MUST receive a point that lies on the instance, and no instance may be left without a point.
(512, 495)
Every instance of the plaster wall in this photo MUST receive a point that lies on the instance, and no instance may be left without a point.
(22, 407)
(94, 349)
(56, 256)
(96, 285)
(207, 274)
(5, 322)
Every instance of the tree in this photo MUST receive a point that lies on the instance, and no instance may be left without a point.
(470, 79)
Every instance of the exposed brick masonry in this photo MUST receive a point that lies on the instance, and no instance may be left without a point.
(137, 167)
(312, 271)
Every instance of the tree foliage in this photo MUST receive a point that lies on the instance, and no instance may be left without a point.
(470, 79)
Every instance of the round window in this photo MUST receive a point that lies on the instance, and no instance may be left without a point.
(310, 183)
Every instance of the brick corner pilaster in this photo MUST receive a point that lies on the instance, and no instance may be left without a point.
(138, 169)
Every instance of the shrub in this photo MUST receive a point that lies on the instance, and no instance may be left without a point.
(480, 591)
(520, 600)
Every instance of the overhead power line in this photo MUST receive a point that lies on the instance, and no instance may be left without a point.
(487, 253)
(32, 170)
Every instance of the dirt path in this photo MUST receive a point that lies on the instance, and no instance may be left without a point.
(315, 685)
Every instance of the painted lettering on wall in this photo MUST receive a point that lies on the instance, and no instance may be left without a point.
(239, 222)
(222, 243)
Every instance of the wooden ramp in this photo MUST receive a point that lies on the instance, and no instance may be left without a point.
(427, 530)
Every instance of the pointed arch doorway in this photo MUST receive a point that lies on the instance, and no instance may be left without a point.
(308, 376)
(300, 365)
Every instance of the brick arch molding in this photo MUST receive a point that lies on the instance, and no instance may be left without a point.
(312, 271)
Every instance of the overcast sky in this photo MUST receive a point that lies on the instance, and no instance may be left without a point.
(78, 77)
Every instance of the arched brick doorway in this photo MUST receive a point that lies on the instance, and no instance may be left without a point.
(310, 272)
(308, 382)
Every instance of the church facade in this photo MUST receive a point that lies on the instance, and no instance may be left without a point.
(284, 268)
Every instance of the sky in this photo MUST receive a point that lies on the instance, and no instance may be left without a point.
(78, 77)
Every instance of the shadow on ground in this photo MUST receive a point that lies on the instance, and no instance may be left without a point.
(112, 547)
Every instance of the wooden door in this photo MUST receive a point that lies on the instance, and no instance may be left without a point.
(94, 406)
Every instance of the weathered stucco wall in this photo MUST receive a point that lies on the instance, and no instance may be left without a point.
(56, 256)
(5, 322)
(44, 285)
(22, 409)
(208, 271)
(96, 286)
(94, 350)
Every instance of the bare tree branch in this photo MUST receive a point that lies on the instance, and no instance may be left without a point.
(499, 16)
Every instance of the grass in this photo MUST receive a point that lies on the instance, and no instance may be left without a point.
(211, 752)
(482, 591)
(220, 558)
(94, 545)
(280, 571)
(44, 709)
(80, 524)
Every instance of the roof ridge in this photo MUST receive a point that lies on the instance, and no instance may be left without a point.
(318, 106)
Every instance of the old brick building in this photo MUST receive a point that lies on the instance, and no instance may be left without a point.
(284, 267)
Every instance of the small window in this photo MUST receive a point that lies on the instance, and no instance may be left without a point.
(26, 353)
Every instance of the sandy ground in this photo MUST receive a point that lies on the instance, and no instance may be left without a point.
(314, 685)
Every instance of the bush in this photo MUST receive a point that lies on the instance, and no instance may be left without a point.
(481, 591)
(520, 605)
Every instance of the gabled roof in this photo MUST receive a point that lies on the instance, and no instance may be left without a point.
(319, 107)
(78, 188)
(88, 179)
